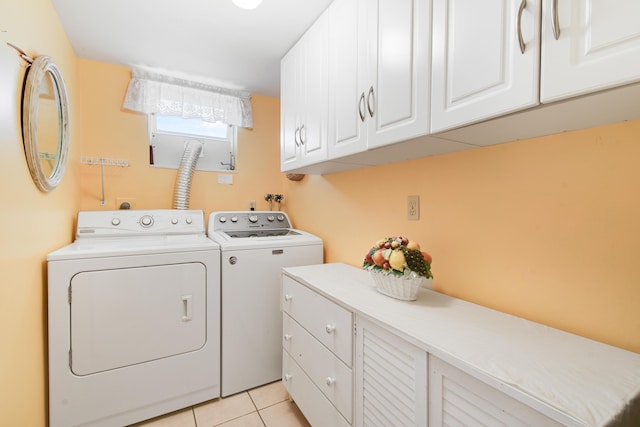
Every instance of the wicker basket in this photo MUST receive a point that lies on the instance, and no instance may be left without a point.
(403, 288)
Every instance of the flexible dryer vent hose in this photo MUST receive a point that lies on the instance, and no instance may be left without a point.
(185, 173)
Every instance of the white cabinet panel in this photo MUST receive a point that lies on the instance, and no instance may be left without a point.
(378, 73)
(479, 68)
(399, 35)
(391, 379)
(304, 98)
(347, 77)
(597, 46)
(458, 399)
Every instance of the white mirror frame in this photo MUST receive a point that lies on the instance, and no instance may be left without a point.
(42, 67)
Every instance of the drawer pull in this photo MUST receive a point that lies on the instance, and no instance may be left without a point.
(330, 329)
(287, 377)
(287, 337)
(331, 381)
(287, 297)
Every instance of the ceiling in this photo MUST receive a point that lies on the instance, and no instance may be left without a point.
(211, 41)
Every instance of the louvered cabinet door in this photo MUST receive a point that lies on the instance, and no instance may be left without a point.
(391, 379)
(457, 399)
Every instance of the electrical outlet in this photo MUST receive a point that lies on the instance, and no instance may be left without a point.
(122, 201)
(413, 208)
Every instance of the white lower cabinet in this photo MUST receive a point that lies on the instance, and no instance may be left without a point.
(391, 378)
(458, 399)
(354, 357)
(317, 339)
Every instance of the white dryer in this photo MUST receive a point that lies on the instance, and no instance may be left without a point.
(254, 247)
(134, 318)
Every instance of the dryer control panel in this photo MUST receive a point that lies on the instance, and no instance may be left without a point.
(121, 223)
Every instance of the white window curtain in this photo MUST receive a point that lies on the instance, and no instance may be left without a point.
(150, 92)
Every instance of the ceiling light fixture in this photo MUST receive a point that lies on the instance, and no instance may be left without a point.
(247, 4)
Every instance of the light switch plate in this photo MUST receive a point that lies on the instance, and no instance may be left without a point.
(413, 208)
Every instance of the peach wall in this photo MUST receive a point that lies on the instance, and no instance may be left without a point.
(110, 131)
(32, 223)
(547, 229)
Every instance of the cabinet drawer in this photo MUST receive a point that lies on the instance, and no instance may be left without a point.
(328, 373)
(313, 404)
(331, 324)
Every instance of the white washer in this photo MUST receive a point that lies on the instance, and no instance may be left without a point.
(254, 247)
(134, 318)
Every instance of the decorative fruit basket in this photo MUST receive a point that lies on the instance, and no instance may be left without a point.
(398, 267)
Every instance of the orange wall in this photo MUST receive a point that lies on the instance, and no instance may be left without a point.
(109, 131)
(31, 223)
(547, 229)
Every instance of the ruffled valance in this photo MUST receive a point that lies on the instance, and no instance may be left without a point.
(151, 92)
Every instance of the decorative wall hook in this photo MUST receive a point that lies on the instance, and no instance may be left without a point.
(278, 198)
(269, 198)
(22, 53)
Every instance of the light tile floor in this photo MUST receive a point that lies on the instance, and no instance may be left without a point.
(266, 406)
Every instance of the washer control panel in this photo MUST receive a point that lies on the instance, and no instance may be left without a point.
(248, 220)
(139, 222)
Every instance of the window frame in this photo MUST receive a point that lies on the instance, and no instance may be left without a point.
(166, 148)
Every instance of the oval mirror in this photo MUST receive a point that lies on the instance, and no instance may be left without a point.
(45, 123)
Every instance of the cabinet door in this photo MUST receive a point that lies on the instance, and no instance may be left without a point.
(480, 70)
(397, 88)
(391, 379)
(457, 398)
(289, 76)
(347, 110)
(597, 46)
(314, 92)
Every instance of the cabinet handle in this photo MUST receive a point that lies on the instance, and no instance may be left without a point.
(361, 105)
(331, 381)
(369, 103)
(287, 377)
(555, 24)
(295, 137)
(302, 140)
(287, 297)
(329, 329)
(287, 337)
(523, 5)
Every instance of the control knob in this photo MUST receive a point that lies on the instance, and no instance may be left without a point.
(146, 221)
(253, 218)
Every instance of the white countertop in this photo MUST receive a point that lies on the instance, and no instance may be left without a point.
(589, 382)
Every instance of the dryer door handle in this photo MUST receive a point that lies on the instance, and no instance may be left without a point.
(187, 309)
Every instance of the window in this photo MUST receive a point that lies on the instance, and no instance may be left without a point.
(168, 136)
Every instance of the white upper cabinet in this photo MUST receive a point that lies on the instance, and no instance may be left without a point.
(378, 73)
(485, 59)
(589, 45)
(346, 77)
(304, 98)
